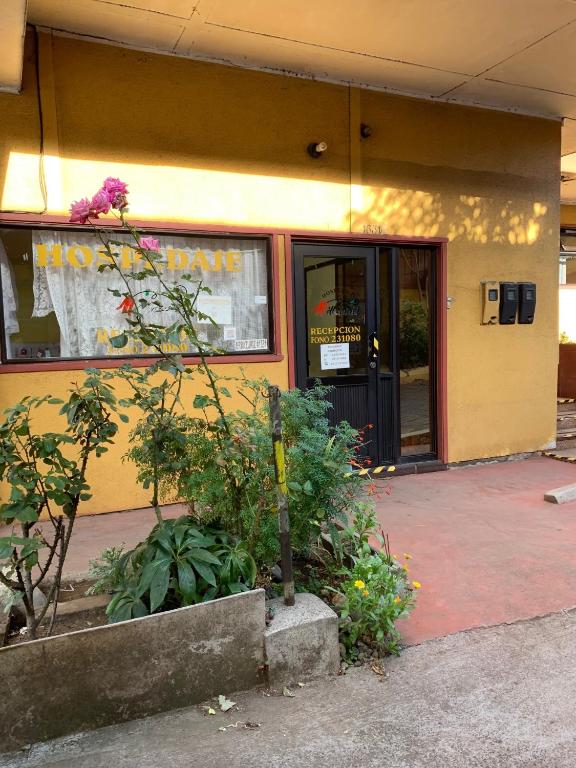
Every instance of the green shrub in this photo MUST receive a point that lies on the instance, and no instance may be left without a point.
(45, 474)
(413, 334)
(179, 564)
(222, 466)
(217, 459)
(106, 571)
(373, 589)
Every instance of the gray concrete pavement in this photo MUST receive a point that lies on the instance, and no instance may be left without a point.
(502, 697)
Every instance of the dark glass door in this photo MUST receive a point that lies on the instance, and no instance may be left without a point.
(416, 345)
(362, 328)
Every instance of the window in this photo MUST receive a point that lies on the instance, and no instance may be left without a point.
(567, 257)
(57, 305)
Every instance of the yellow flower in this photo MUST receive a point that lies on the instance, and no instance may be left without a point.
(407, 556)
(416, 584)
(397, 599)
(365, 593)
(359, 584)
(405, 567)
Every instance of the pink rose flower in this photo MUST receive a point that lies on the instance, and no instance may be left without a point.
(116, 191)
(100, 203)
(149, 243)
(80, 211)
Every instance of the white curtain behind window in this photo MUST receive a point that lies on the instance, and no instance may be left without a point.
(86, 310)
(9, 301)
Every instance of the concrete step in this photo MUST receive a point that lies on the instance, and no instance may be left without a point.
(562, 495)
(566, 404)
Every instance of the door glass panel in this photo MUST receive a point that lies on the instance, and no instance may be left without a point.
(335, 316)
(414, 334)
(384, 335)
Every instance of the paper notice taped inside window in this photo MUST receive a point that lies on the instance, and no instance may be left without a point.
(219, 308)
(333, 356)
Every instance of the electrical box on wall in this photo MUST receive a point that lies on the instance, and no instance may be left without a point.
(490, 302)
(526, 302)
(508, 303)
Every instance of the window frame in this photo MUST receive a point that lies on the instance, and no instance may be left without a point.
(565, 254)
(273, 354)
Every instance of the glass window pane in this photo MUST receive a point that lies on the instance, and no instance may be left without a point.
(57, 305)
(568, 241)
(336, 316)
(567, 258)
(416, 284)
(384, 309)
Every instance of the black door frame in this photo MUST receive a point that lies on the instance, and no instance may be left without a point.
(367, 379)
(385, 408)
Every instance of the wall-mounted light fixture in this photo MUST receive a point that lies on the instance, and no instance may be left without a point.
(317, 148)
(365, 130)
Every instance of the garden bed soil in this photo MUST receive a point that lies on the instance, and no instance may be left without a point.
(85, 620)
(76, 611)
(96, 677)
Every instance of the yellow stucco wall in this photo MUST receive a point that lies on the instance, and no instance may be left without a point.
(205, 143)
(489, 182)
(568, 215)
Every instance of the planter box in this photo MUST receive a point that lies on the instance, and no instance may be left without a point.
(96, 677)
(301, 641)
(567, 371)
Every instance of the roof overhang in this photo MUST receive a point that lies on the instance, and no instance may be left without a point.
(512, 55)
(12, 30)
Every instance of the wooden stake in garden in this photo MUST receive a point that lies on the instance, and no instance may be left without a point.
(282, 493)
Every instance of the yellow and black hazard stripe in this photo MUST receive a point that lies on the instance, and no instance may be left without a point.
(372, 470)
(558, 457)
(565, 400)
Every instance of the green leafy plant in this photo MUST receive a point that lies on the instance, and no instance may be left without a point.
(220, 459)
(160, 433)
(179, 564)
(413, 334)
(46, 475)
(373, 590)
(227, 477)
(159, 401)
(106, 571)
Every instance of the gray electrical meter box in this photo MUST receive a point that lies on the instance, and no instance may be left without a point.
(526, 302)
(508, 303)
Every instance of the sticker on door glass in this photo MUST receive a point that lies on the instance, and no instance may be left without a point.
(334, 356)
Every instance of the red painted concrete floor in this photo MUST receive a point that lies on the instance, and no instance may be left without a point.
(485, 545)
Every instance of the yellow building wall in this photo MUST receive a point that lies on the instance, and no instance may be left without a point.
(205, 143)
(568, 215)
